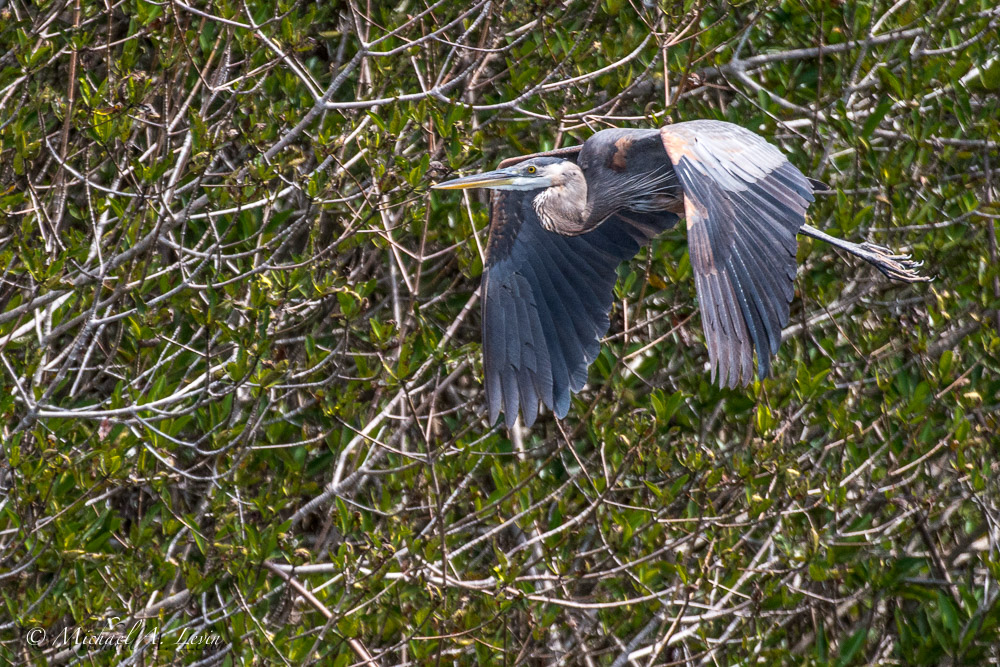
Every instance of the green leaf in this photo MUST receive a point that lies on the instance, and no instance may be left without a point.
(875, 118)
(851, 646)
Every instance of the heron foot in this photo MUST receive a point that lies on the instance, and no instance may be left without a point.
(893, 266)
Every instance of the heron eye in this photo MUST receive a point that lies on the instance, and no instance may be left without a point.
(531, 170)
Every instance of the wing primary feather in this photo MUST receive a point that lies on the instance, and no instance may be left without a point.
(723, 344)
(754, 312)
(744, 345)
(772, 305)
(512, 336)
(512, 353)
(796, 181)
(494, 347)
(782, 271)
(732, 335)
(708, 322)
(570, 339)
(529, 397)
(583, 275)
(528, 359)
(524, 334)
(584, 341)
(543, 364)
(554, 334)
(510, 395)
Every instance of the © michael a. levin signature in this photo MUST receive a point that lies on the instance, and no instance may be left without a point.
(113, 638)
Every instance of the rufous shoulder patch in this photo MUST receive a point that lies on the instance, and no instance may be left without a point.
(619, 159)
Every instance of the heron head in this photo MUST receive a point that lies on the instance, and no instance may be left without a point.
(533, 174)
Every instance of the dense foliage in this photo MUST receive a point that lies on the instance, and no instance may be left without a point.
(239, 341)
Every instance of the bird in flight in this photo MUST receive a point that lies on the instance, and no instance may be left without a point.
(562, 222)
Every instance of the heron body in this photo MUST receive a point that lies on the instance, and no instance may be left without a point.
(562, 223)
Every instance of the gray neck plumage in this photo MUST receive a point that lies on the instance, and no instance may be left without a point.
(564, 207)
(569, 207)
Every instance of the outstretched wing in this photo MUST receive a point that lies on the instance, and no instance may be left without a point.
(744, 204)
(546, 299)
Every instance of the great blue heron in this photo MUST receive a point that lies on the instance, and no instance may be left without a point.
(563, 222)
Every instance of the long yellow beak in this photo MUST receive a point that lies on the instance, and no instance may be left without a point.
(489, 179)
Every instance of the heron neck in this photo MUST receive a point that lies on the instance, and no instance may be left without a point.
(566, 209)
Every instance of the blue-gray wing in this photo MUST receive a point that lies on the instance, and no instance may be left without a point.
(546, 299)
(744, 204)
